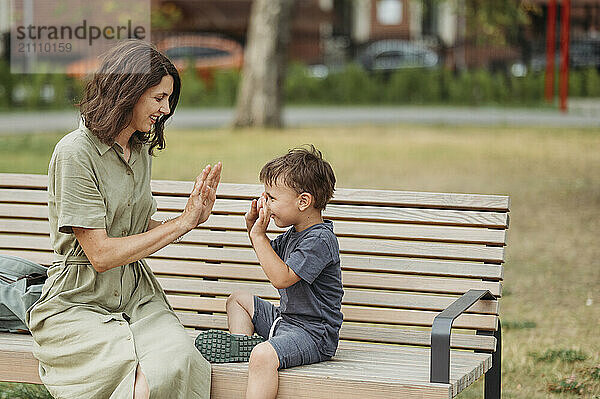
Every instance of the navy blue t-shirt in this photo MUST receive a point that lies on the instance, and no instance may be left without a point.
(314, 302)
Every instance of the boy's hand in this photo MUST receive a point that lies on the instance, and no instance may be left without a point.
(264, 217)
(251, 215)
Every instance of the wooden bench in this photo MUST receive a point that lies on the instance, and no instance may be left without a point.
(406, 256)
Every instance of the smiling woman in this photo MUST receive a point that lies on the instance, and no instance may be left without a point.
(101, 296)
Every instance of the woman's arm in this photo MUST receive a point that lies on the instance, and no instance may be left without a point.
(153, 223)
(106, 252)
(277, 271)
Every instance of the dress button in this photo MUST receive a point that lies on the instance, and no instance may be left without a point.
(129, 338)
(116, 293)
(124, 233)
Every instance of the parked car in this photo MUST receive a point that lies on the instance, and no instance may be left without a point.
(207, 52)
(583, 53)
(390, 55)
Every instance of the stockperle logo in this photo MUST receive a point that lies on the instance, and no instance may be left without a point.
(68, 36)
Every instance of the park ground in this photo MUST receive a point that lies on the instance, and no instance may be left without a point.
(551, 298)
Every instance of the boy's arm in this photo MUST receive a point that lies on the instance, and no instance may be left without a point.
(278, 273)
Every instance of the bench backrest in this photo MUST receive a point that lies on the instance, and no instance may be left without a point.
(405, 256)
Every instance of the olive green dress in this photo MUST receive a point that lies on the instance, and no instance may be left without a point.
(92, 329)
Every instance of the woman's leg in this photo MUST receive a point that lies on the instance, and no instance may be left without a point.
(140, 388)
(240, 310)
(171, 364)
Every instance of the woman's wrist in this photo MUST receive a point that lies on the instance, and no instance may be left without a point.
(180, 228)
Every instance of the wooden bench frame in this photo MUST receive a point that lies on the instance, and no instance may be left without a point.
(429, 235)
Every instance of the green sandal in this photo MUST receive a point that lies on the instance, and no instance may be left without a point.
(218, 346)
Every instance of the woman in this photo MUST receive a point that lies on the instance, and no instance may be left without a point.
(103, 327)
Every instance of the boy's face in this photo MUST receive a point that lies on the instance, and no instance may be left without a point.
(283, 202)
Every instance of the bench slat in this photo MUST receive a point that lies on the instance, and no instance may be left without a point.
(17, 363)
(404, 283)
(230, 382)
(366, 246)
(493, 220)
(359, 332)
(362, 332)
(352, 299)
(351, 313)
(349, 262)
(457, 234)
(233, 238)
(351, 279)
(360, 196)
(407, 318)
(368, 213)
(208, 287)
(355, 196)
(403, 336)
(401, 369)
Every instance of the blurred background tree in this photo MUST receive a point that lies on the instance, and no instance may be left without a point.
(265, 60)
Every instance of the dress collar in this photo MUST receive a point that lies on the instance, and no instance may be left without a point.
(100, 146)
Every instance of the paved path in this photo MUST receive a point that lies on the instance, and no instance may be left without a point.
(587, 115)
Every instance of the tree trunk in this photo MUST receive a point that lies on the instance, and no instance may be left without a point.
(260, 95)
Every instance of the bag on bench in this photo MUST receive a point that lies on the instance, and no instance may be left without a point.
(21, 283)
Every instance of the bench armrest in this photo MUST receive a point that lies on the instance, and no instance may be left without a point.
(440, 333)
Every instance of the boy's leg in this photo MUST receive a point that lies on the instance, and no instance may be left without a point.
(289, 346)
(236, 346)
(263, 378)
(240, 310)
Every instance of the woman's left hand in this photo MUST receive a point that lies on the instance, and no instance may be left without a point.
(203, 196)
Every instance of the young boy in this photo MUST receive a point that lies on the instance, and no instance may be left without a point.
(303, 264)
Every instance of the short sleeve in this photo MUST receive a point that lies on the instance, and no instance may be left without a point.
(276, 245)
(154, 207)
(309, 258)
(76, 195)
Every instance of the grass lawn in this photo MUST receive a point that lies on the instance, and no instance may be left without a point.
(551, 303)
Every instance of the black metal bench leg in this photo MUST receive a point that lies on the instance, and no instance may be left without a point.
(493, 378)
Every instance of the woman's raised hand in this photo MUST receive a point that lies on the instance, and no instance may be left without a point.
(203, 196)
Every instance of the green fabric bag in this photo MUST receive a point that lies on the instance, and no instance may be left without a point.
(21, 283)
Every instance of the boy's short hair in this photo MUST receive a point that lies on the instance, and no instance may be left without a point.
(305, 171)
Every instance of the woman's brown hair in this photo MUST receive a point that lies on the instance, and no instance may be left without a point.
(127, 70)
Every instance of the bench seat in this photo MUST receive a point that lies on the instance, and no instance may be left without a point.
(371, 370)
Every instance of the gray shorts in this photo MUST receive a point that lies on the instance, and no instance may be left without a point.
(294, 346)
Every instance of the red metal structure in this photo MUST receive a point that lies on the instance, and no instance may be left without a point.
(565, 17)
